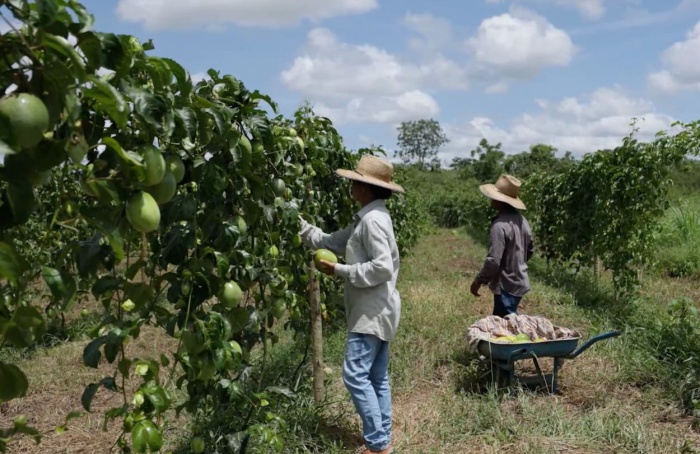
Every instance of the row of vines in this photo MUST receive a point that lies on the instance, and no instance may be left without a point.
(606, 207)
(601, 210)
(174, 205)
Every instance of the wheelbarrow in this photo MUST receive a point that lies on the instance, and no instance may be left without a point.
(503, 357)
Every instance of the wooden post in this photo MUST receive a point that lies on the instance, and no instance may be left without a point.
(316, 334)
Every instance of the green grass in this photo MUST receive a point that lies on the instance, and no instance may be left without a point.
(631, 394)
(614, 398)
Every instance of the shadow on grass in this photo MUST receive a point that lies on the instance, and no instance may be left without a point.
(596, 296)
(479, 376)
(473, 375)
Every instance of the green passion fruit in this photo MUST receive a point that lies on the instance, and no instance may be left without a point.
(154, 163)
(324, 254)
(28, 117)
(164, 191)
(176, 166)
(142, 212)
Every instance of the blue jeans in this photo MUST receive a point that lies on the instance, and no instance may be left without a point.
(366, 376)
(505, 304)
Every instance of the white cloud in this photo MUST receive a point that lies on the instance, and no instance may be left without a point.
(680, 70)
(187, 14)
(591, 9)
(585, 124)
(518, 45)
(407, 106)
(434, 33)
(360, 82)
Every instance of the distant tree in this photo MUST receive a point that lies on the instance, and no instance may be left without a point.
(487, 162)
(419, 141)
(541, 158)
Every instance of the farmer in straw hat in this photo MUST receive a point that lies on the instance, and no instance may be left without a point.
(510, 248)
(372, 303)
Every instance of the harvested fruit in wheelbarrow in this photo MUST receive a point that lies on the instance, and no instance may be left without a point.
(521, 338)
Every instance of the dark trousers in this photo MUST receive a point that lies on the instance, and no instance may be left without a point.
(505, 304)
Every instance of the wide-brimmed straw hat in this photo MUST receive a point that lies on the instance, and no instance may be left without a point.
(372, 170)
(506, 190)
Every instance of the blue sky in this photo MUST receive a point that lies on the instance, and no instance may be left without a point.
(571, 73)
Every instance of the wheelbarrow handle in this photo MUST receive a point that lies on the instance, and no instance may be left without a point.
(586, 345)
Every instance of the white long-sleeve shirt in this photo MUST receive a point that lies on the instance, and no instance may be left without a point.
(371, 269)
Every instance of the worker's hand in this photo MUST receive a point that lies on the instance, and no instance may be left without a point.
(476, 285)
(327, 268)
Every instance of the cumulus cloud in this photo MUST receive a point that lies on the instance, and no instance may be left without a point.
(407, 106)
(680, 70)
(187, 14)
(518, 45)
(588, 123)
(364, 83)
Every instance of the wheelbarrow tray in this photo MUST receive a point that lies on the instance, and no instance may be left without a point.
(512, 351)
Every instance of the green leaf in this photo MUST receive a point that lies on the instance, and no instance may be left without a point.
(283, 390)
(184, 83)
(222, 264)
(114, 55)
(160, 73)
(148, 106)
(222, 124)
(92, 353)
(91, 46)
(11, 265)
(61, 283)
(132, 159)
(140, 293)
(14, 382)
(29, 318)
(164, 360)
(188, 119)
(47, 11)
(22, 201)
(108, 99)
(256, 95)
(157, 396)
(105, 284)
(61, 46)
(85, 19)
(91, 390)
(238, 318)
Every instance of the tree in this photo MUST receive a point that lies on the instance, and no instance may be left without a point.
(420, 141)
(489, 163)
(540, 158)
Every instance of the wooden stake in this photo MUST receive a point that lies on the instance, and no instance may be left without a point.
(316, 334)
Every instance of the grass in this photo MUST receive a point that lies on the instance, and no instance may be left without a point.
(616, 397)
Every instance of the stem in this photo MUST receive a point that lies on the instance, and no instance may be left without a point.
(263, 334)
(316, 334)
(179, 342)
(144, 253)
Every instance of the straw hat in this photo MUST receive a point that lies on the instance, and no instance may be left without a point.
(506, 190)
(372, 170)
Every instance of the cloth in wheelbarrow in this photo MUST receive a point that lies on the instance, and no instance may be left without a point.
(533, 325)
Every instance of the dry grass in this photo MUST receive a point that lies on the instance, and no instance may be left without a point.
(443, 402)
(57, 378)
(436, 410)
